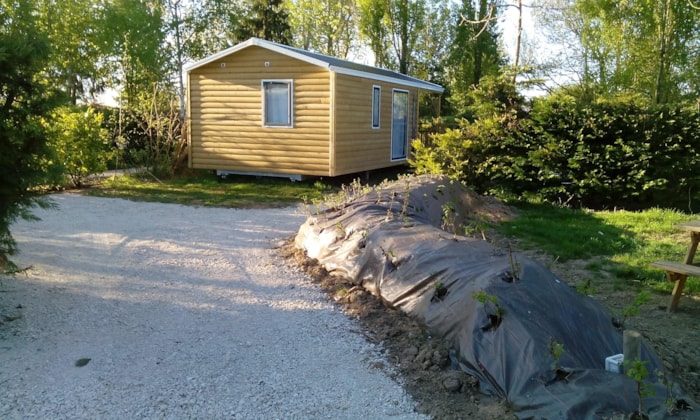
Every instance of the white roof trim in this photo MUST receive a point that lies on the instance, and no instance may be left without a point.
(420, 84)
(416, 83)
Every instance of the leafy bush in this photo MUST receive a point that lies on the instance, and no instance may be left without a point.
(613, 152)
(78, 143)
(573, 150)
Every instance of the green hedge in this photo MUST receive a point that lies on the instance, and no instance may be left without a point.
(598, 154)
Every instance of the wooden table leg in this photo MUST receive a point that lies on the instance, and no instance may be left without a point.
(679, 280)
(694, 239)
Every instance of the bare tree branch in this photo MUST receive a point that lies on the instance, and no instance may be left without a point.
(485, 21)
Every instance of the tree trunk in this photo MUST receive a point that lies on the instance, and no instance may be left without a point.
(480, 45)
(516, 59)
(660, 94)
(403, 59)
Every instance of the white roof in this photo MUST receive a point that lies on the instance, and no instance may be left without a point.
(333, 64)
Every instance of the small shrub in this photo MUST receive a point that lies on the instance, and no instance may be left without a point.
(78, 144)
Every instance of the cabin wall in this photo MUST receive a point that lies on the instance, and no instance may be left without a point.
(356, 145)
(225, 115)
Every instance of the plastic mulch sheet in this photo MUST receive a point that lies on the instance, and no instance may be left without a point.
(501, 314)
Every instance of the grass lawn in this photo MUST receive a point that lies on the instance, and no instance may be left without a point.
(205, 189)
(627, 241)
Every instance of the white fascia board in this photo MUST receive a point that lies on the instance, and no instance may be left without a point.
(293, 54)
(218, 55)
(258, 43)
(372, 76)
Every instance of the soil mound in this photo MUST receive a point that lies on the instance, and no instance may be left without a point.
(526, 335)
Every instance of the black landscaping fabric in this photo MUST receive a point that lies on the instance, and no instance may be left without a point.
(389, 241)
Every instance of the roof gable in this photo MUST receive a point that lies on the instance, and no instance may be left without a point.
(331, 63)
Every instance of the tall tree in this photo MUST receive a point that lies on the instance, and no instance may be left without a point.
(266, 19)
(562, 27)
(474, 52)
(373, 29)
(25, 97)
(325, 26)
(396, 25)
(434, 43)
(72, 28)
(194, 30)
(132, 41)
(642, 46)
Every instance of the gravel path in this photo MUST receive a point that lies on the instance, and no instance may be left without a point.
(183, 312)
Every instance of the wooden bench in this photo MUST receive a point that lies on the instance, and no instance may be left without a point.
(678, 273)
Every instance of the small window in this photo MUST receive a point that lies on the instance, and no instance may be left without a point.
(376, 105)
(277, 103)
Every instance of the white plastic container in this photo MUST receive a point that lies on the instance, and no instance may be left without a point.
(614, 363)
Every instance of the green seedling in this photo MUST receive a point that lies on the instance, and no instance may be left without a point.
(440, 292)
(633, 309)
(494, 311)
(637, 370)
(556, 349)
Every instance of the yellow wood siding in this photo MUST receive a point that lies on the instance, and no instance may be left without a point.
(357, 146)
(226, 128)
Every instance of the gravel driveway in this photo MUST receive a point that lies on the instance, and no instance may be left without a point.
(183, 312)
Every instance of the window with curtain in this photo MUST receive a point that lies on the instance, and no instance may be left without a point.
(277, 103)
(376, 105)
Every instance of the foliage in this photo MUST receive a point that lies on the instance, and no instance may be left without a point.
(612, 153)
(645, 47)
(482, 151)
(556, 349)
(24, 99)
(266, 19)
(75, 52)
(374, 31)
(633, 308)
(586, 150)
(78, 143)
(474, 53)
(131, 43)
(394, 29)
(328, 27)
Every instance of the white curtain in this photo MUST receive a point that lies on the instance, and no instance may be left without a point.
(277, 103)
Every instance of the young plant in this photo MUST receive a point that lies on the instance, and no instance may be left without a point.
(440, 292)
(449, 219)
(633, 309)
(637, 370)
(585, 288)
(556, 349)
(477, 226)
(514, 264)
(341, 229)
(494, 311)
(406, 198)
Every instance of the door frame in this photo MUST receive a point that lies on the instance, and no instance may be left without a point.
(407, 113)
